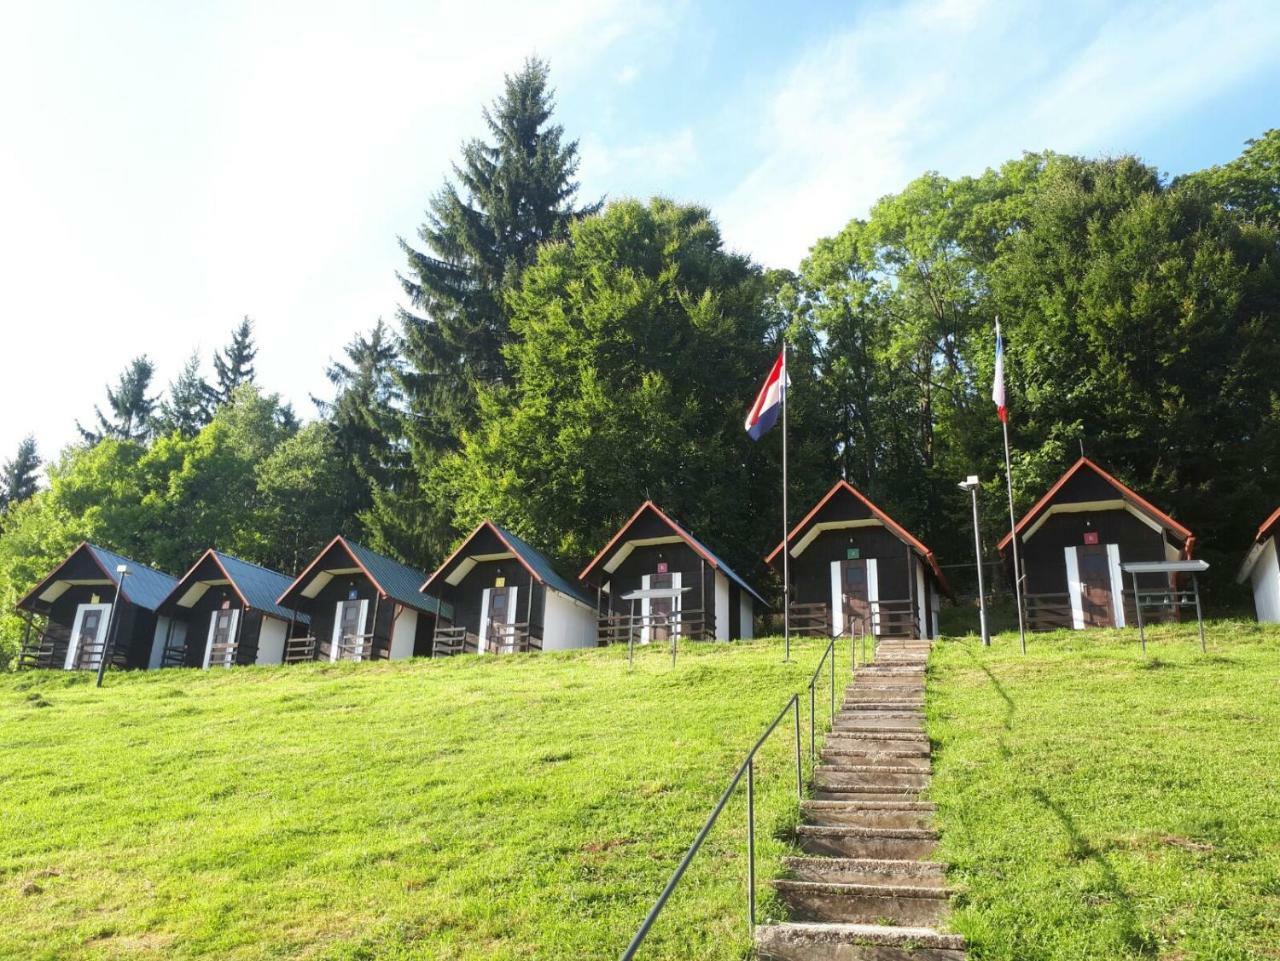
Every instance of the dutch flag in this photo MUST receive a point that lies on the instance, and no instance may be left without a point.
(764, 412)
(997, 387)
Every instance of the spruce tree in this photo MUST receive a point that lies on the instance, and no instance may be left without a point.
(512, 193)
(233, 365)
(132, 414)
(188, 406)
(18, 476)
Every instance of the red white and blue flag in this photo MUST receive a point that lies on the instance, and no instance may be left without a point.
(764, 412)
(997, 388)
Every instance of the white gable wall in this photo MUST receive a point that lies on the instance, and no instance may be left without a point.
(271, 640)
(403, 633)
(566, 623)
(722, 607)
(1266, 583)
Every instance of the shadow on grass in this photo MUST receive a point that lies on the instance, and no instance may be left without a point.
(999, 689)
(1135, 938)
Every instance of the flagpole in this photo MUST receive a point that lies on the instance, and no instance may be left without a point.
(786, 527)
(1013, 534)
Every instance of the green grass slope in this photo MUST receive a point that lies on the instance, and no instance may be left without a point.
(1096, 804)
(515, 807)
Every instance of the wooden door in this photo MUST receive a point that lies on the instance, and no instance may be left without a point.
(1096, 602)
(221, 634)
(660, 609)
(501, 602)
(88, 636)
(855, 598)
(347, 628)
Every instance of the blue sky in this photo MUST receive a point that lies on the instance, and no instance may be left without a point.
(167, 168)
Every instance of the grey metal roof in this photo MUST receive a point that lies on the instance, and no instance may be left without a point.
(541, 566)
(398, 581)
(143, 586)
(259, 586)
(728, 571)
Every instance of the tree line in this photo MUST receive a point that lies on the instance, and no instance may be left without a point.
(558, 360)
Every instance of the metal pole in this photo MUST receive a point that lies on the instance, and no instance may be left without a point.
(1195, 585)
(786, 526)
(1013, 532)
(1137, 606)
(977, 554)
(812, 740)
(112, 626)
(795, 702)
(751, 843)
(833, 681)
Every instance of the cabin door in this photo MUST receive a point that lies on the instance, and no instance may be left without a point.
(660, 609)
(855, 595)
(1096, 601)
(348, 631)
(499, 634)
(219, 647)
(88, 637)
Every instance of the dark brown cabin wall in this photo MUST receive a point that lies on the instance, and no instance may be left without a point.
(322, 608)
(467, 596)
(423, 634)
(735, 609)
(133, 630)
(678, 557)
(197, 618)
(1044, 555)
(1084, 486)
(250, 634)
(811, 571)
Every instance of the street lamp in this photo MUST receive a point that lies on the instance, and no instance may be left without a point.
(970, 484)
(113, 623)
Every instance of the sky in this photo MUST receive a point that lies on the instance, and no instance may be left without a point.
(166, 169)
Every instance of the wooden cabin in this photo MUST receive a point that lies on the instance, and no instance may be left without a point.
(653, 552)
(223, 612)
(854, 567)
(69, 619)
(1261, 569)
(505, 596)
(1073, 541)
(362, 605)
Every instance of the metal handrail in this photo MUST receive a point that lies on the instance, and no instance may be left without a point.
(746, 768)
(829, 655)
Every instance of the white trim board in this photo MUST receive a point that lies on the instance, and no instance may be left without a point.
(361, 618)
(812, 533)
(99, 639)
(1073, 588)
(1085, 507)
(628, 546)
(231, 634)
(470, 561)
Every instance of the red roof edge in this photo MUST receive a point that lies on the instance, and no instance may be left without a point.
(316, 560)
(679, 531)
(901, 532)
(1268, 526)
(467, 540)
(1126, 492)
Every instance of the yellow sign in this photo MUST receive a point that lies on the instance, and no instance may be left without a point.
(500, 582)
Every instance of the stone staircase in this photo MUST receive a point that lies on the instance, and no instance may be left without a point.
(866, 889)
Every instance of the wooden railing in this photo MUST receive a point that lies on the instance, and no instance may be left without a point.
(37, 650)
(621, 628)
(298, 649)
(223, 653)
(1048, 612)
(894, 618)
(811, 620)
(503, 639)
(355, 647)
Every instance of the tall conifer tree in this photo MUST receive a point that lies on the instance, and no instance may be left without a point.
(132, 411)
(233, 365)
(188, 406)
(18, 476)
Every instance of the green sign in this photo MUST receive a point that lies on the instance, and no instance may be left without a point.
(853, 554)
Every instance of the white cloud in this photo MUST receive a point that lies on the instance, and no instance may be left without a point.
(959, 85)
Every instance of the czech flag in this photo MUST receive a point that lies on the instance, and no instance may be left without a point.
(764, 412)
(997, 388)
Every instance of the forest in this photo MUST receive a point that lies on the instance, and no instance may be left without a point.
(557, 359)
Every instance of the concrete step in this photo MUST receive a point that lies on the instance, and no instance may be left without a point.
(879, 740)
(881, 703)
(847, 841)
(870, 814)
(838, 757)
(833, 778)
(881, 722)
(862, 903)
(855, 942)
(916, 874)
(867, 793)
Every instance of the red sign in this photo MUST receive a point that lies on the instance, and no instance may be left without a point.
(1091, 537)
(662, 567)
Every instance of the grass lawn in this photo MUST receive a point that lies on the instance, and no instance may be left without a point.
(515, 807)
(1096, 804)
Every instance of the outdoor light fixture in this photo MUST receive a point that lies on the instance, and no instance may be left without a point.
(971, 484)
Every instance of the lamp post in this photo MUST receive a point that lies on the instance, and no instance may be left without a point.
(970, 484)
(113, 623)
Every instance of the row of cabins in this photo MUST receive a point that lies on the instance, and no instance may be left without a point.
(853, 568)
